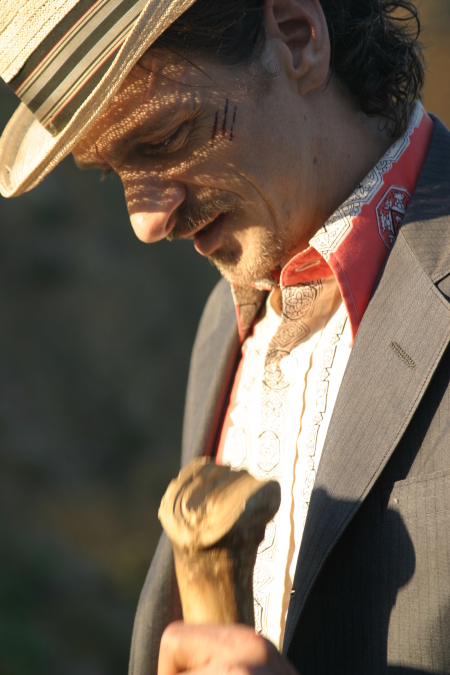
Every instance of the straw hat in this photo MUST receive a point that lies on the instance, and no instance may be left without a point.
(65, 59)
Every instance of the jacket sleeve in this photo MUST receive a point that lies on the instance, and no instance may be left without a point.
(159, 603)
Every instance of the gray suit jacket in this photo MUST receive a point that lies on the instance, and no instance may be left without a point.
(372, 586)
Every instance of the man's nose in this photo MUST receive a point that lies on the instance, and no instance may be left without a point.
(152, 207)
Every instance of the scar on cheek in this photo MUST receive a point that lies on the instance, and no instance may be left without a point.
(214, 131)
(224, 123)
(232, 124)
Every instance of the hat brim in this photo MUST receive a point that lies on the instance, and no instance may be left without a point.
(28, 152)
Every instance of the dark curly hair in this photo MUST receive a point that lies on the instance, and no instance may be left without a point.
(375, 48)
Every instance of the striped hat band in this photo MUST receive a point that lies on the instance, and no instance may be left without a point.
(66, 66)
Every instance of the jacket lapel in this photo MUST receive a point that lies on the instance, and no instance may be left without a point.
(212, 367)
(401, 339)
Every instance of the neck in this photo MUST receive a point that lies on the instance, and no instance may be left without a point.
(350, 145)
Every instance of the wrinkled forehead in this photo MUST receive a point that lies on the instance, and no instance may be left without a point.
(160, 90)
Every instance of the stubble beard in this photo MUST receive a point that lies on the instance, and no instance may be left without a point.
(241, 264)
(253, 263)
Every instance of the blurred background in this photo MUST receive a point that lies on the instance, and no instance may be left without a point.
(95, 335)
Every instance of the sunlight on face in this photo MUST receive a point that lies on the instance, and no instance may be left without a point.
(194, 149)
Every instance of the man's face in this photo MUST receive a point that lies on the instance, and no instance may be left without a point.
(208, 152)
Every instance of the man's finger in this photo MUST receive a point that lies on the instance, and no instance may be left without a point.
(186, 647)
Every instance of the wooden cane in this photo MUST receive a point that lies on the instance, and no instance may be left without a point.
(216, 519)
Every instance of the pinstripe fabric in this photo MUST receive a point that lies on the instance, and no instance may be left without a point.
(372, 586)
(162, 587)
(382, 595)
(381, 401)
(73, 58)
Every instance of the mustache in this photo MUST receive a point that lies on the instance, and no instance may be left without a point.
(192, 216)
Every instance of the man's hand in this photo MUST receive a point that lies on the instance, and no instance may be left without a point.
(218, 649)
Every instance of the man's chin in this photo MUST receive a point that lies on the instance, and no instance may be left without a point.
(236, 271)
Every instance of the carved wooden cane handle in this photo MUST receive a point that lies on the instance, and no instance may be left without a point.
(216, 518)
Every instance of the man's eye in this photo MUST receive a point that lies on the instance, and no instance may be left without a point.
(170, 144)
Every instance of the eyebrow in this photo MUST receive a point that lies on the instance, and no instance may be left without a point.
(120, 146)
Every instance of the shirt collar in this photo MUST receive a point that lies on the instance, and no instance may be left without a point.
(354, 243)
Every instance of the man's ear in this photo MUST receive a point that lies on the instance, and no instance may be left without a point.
(300, 28)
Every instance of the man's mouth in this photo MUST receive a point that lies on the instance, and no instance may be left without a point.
(208, 237)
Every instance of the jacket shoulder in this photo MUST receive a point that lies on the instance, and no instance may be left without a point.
(426, 226)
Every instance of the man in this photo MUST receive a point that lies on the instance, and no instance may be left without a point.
(285, 139)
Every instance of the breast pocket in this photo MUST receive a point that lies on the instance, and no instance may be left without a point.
(419, 625)
(422, 497)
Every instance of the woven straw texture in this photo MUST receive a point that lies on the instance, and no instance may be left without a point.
(23, 26)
